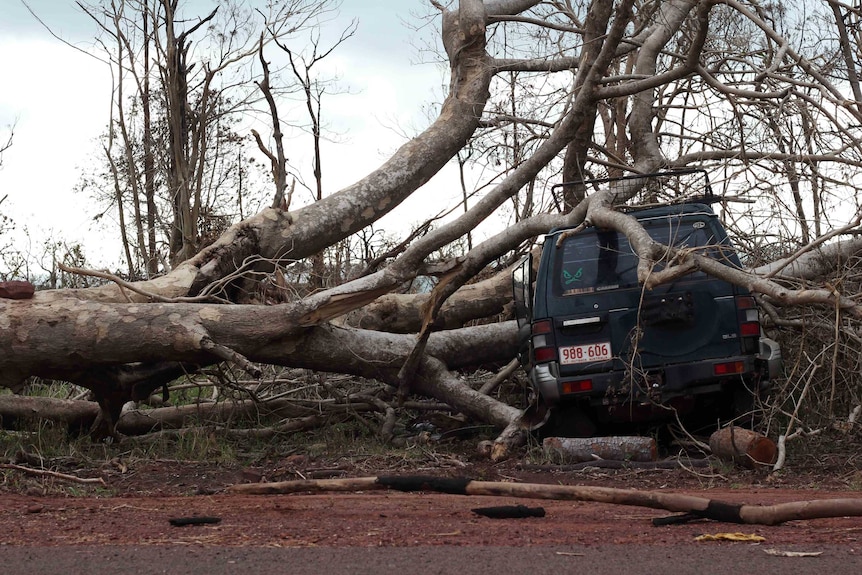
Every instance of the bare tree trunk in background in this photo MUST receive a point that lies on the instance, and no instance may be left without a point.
(131, 175)
(314, 89)
(151, 257)
(278, 160)
(174, 82)
(186, 204)
(847, 52)
(119, 19)
(121, 214)
(576, 152)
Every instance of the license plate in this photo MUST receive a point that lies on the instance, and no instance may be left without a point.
(588, 353)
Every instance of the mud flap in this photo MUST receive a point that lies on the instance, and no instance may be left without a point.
(536, 414)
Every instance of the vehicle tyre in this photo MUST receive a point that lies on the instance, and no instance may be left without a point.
(569, 421)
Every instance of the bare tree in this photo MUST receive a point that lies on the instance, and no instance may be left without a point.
(176, 166)
(6, 223)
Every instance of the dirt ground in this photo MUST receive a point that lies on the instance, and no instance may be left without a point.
(140, 497)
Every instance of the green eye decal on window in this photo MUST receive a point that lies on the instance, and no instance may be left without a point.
(569, 278)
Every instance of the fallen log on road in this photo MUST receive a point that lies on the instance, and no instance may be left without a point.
(700, 507)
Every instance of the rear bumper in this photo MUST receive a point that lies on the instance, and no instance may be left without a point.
(770, 352)
(656, 385)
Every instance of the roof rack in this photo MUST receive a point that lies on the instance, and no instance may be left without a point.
(708, 196)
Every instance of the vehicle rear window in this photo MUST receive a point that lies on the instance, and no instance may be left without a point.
(599, 260)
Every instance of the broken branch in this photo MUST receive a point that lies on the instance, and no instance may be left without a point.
(675, 502)
(54, 474)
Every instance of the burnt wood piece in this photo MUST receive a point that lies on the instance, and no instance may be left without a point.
(509, 511)
(185, 521)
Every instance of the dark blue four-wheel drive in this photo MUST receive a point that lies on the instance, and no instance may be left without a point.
(603, 353)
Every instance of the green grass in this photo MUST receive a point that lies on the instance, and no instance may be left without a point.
(191, 444)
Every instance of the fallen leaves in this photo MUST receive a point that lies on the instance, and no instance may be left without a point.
(750, 537)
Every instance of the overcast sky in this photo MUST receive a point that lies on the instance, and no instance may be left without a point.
(58, 99)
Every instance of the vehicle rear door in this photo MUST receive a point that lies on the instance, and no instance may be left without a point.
(604, 320)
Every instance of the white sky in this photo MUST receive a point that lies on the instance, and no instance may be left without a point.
(58, 99)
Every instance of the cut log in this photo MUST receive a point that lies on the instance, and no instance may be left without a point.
(622, 448)
(743, 447)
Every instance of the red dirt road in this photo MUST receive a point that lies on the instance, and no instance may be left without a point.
(50, 526)
(384, 519)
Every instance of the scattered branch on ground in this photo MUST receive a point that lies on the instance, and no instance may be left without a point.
(700, 507)
(53, 474)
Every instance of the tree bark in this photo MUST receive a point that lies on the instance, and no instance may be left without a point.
(404, 313)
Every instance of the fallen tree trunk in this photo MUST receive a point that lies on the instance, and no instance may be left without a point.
(71, 412)
(700, 507)
(89, 343)
(80, 415)
(403, 313)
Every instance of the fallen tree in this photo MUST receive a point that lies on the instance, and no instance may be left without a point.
(125, 339)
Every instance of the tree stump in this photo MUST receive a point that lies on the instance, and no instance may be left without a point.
(622, 448)
(743, 447)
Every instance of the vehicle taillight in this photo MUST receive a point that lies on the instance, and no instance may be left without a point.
(749, 320)
(543, 341)
(728, 368)
(749, 329)
(578, 386)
